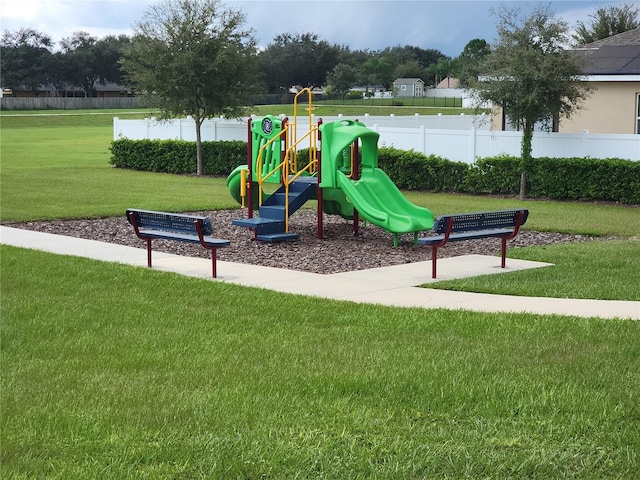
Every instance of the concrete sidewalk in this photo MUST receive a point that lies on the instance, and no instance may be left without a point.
(394, 286)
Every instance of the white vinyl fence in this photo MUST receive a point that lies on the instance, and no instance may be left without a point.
(458, 138)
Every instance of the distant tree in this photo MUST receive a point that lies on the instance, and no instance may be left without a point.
(297, 60)
(376, 70)
(342, 78)
(108, 53)
(87, 62)
(411, 69)
(471, 57)
(25, 59)
(606, 22)
(530, 75)
(404, 59)
(193, 57)
(444, 67)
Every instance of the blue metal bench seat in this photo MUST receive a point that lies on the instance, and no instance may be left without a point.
(503, 224)
(150, 225)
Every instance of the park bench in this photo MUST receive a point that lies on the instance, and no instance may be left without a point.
(503, 224)
(150, 225)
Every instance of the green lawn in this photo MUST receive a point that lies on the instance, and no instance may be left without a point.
(60, 169)
(116, 372)
(600, 270)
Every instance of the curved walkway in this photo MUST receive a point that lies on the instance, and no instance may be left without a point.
(394, 286)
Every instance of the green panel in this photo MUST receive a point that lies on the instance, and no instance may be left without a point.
(338, 136)
(263, 130)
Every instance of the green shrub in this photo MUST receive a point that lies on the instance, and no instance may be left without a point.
(497, 175)
(178, 156)
(412, 170)
(588, 179)
(353, 95)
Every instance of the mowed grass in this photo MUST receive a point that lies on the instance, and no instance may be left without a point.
(111, 371)
(58, 167)
(114, 372)
(604, 270)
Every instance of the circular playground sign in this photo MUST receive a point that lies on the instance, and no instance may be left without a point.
(267, 126)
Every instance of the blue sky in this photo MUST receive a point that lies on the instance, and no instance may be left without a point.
(445, 25)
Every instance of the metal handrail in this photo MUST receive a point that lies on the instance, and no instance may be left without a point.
(290, 162)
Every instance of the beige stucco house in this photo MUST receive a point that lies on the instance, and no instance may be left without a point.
(613, 69)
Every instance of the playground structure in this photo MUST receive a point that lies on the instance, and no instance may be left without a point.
(341, 172)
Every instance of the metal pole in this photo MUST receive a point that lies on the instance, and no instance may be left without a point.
(250, 167)
(319, 194)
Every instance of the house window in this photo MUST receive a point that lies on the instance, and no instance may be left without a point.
(403, 87)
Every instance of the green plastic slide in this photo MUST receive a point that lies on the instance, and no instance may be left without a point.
(379, 201)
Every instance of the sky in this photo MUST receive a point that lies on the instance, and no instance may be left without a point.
(444, 25)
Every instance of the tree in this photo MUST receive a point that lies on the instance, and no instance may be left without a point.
(376, 71)
(530, 75)
(606, 22)
(193, 57)
(297, 60)
(79, 61)
(108, 53)
(410, 69)
(471, 57)
(86, 61)
(341, 79)
(444, 67)
(26, 59)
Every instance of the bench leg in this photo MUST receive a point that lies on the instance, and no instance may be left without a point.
(504, 252)
(149, 252)
(214, 256)
(434, 254)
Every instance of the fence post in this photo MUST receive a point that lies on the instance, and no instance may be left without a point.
(585, 143)
(473, 146)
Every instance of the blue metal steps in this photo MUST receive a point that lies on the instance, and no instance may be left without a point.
(278, 237)
(271, 225)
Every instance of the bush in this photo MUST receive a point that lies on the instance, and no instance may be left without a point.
(497, 175)
(178, 156)
(583, 179)
(353, 95)
(610, 179)
(412, 170)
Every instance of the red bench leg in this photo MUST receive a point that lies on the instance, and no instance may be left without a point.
(434, 254)
(504, 252)
(213, 263)
(149, 252)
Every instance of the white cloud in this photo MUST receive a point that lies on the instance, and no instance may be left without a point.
(443, 25)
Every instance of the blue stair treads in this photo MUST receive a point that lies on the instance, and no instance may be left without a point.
(278, 237)
(261, 225)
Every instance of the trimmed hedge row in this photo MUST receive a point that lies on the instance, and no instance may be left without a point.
(584, 179)
(178, 156)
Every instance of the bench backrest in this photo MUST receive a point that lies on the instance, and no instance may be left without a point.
(169, 222)
(466, 222)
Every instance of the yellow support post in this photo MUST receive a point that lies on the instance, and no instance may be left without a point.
(243, 187)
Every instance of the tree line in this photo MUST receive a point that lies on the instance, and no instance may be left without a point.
(31, 61)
